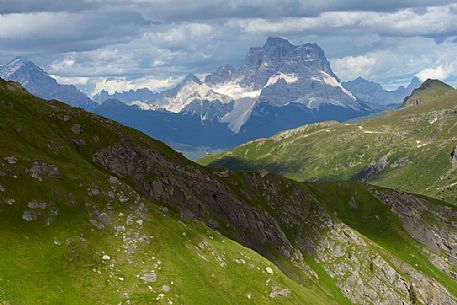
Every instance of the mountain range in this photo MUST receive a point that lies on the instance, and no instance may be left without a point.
(373, 93)
(280, 86)
(39, 83)
(94, 212)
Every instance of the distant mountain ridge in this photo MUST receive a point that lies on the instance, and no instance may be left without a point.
(279, 86)
(372, 92)
(276, 74)
(40, 84)
(143, 94)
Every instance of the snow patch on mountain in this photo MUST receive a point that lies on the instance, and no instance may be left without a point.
(39, 83)
(12, 67)
(240, 113)
(235, 91)
(188, 93)
(332, 81)
(143, 105)
(288, 78)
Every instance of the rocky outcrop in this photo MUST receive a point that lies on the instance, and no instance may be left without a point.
(373, 169)
(296, 223)
(195, 194)
(432, 225)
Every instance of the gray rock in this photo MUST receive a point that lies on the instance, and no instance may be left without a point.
(30, 215)
(96, 224)
(353, 204)
(93, 191)
(263, 173)
(9, 201)
(10, 160)
(119, 228)
(39, 169)
(123, 198)
(76, 129)
(34, 204)
(150, 277)
(104, 218)
(278, 292)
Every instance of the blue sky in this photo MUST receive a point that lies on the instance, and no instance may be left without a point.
(128, 44)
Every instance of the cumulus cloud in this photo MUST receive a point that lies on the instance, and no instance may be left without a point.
(123, 84)
(68, 31)
(351, 67)
(436, 22)
(71, 80)
(440, 72)
(127, 44)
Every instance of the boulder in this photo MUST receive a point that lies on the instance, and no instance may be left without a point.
(76, 129)
(10, 160)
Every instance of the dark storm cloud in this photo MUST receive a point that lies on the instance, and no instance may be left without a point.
(29, 6)
(179, 10)
(97, 41)
(65, 31)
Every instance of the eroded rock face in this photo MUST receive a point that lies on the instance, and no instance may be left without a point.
(195, 194)
(374, 168)
(301, 223)
(432, 225)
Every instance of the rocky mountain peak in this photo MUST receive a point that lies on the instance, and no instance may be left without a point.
(428, 90)
(275, 42)
(17, 64)
(277, 56)
(223, 74)
(415, 82)
(363, 85)
(39, 83)
(191, 78)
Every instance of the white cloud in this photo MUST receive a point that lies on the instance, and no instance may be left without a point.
(122, 84)
(351, 67)
(113, 44)
(440, 72)
(181, 35)
(72, 80)
(407, 22)
(62, 65)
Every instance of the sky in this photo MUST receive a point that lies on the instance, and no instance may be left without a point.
(127, 44)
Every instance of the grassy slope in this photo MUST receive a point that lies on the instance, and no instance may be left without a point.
(62, 263)
(416, 141)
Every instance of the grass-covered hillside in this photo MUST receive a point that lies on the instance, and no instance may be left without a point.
(72, 233)
(93, 212)
(411, 148)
